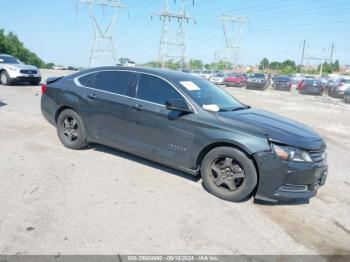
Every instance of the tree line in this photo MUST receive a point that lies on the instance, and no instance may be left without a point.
(290, 67)
(11, 45)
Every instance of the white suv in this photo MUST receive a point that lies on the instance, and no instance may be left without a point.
(13, 71)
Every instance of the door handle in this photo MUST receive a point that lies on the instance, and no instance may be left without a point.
(91, 96)
(137, 107)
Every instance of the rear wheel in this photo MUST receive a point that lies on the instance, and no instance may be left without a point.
(71, 130)
(347, 99)
(228, 174)
(5, 79)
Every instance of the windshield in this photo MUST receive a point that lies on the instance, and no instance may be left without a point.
(220, 75)
(209, 96)
(256, 76)
(9, 60)
(282, 78)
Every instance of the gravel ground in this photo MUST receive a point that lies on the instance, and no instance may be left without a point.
(103, 201)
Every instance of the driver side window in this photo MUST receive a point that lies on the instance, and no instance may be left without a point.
(155, 90)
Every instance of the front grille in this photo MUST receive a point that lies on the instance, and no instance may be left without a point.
(29, 72)
(318, 156)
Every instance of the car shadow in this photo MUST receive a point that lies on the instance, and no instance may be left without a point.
(143, 161)
(2, 103)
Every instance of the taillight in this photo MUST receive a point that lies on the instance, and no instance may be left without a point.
(43, 89)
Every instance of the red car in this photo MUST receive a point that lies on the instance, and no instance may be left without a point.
(235, 80)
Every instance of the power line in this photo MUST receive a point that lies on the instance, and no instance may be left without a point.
(233, 27)
(172, 45)
(104, 37)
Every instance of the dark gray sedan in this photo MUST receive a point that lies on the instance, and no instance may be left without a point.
(190, 124)
(282, 83)
(311, 87)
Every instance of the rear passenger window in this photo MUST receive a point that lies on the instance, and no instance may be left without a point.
(88, 80)
(113, 81)
(156, 90)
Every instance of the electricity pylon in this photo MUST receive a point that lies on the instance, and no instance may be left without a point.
(233, 27)
(104, 37)
(172, 44)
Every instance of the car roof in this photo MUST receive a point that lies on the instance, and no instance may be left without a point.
(163, 73)
(6, 55)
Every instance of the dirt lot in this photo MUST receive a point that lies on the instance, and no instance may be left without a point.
(103, 201)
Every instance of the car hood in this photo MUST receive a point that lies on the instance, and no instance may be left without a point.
(276, 128)
(22, 66)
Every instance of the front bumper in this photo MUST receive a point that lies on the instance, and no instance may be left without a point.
(256, 85)
(23, 79)
(18, 77)
(282, 180)
(233, 83)
(282, 87)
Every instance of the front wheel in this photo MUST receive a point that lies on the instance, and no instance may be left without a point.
(229, 174)
(71, 130)
(5, 79)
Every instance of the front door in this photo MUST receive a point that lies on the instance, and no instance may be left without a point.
(163, 135)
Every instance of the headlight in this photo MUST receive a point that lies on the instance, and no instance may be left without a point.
(292, 154)
(11, 68)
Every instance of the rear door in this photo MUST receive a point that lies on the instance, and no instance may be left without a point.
(163, 135)
(107, 105)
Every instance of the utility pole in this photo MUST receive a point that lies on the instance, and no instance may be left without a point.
(104, 37)
(233, 27)
(172, 44)
(331, 57)
(302, 57)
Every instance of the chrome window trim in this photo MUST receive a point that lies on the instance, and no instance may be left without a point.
(76, 81)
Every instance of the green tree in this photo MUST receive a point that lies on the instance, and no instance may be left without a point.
(264, 64)
(336, 66)
(275, 65)
(196, 64)
(11, 45)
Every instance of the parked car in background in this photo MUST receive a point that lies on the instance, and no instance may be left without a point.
(257, 81)
(297, 78)
(235, 80)
(206, 74)
(282, 83)
(189, 124)
(127, 62)
(13, 71)
(347, 96)
(218, 78)
(310, 86)
(340, 85)
(196, 72)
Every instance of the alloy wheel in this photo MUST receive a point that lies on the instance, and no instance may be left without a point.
(227, 173)
(3, 79)
(70, 129)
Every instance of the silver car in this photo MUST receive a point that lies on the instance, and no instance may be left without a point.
(13, 71)
(218, 79)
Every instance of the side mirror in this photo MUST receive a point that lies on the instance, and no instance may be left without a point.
(178, 105)
(1, 60)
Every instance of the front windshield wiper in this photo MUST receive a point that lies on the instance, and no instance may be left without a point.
(235, 109)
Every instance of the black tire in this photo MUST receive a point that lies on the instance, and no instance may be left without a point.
(71, 130)
(347, 99)
(234, 180)
(330, 93)
(5, 79)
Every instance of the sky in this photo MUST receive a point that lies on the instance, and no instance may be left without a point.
(60, 31)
